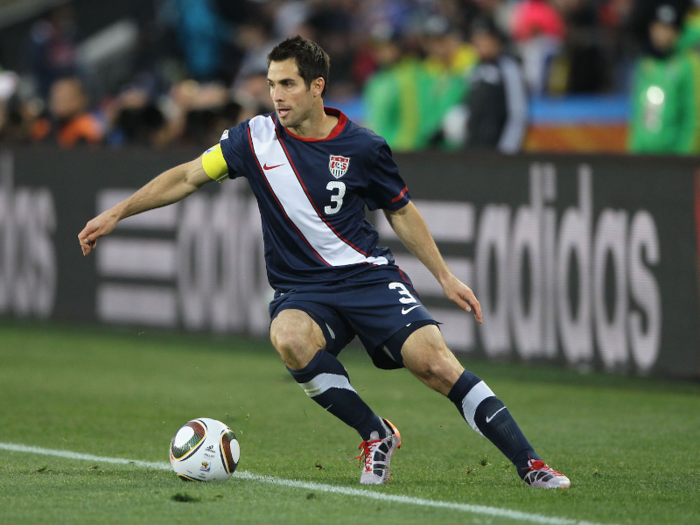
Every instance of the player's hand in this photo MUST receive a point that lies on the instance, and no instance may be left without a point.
(463, 296)
(98, 227)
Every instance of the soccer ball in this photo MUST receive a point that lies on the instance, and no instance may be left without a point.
(204, 450)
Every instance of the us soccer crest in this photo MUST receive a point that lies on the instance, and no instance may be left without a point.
(338, 165)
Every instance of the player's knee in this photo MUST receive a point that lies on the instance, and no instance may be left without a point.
(435, 364)
(286, 341)
(294, 347)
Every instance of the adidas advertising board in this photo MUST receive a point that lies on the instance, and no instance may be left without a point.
(581, 260)
(28, 268)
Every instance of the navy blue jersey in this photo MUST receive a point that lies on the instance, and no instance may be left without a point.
(312, 195)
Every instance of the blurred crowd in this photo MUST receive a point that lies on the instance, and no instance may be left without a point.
(426, 73)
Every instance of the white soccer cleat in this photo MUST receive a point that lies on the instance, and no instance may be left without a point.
(377, 455)
(545, 477)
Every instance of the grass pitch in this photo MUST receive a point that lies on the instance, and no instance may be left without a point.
(630, 446)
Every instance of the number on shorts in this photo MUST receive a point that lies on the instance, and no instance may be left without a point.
(406, 298)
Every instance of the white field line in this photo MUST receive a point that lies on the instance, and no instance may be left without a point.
(318, 487)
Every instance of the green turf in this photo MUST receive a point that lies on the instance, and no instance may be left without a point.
(629, 445)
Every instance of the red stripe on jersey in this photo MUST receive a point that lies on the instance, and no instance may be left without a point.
(291, 163)
(400, 195)
(250, 140)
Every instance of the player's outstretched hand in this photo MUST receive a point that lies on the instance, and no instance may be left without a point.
(98, 227)
(463, 296)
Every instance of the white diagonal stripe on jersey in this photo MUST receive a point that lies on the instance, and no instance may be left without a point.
(472, 400)
(322, 382)
(294, 200)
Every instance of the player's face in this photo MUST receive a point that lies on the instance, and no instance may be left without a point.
(293, 100)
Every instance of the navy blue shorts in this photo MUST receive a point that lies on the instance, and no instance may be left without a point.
(380, 306)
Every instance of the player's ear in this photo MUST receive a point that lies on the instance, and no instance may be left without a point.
(317, 86)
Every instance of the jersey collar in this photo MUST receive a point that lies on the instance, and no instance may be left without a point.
(339, 127)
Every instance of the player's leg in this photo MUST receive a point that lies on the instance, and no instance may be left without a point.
(296, 337)
(300, 342)
(426, 355)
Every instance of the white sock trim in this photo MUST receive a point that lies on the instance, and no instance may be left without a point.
(322, 382)
(472, 400)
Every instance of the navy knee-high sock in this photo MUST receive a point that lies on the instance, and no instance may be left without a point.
(487, 414)
(326, 381)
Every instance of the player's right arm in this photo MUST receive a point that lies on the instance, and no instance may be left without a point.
(168, 187)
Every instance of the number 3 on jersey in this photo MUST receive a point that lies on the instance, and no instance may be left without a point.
(336, 198)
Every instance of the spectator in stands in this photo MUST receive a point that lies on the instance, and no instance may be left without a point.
(665, 110)
(584, 64)
(497, 99)
(447, 50)
(255, 40)
(643, 12)
(538, 29)
(332, 22)
(201, 35)
(68, 122)
(398, 98)
(135, 118)
(199, 113)
(253, 96)
(449, 61)
(52, 48)
(288, 18)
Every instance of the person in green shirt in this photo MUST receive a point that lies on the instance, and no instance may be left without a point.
(398, 97)
(666, 93)
(407, 99)
(449, 61)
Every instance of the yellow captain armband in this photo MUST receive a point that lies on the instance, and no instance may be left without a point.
(214, 163)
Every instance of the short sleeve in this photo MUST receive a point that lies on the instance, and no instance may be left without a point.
(233, 143)
(385, 189)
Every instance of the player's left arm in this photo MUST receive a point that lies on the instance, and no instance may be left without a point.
(413, 232)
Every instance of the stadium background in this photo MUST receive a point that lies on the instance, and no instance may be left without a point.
(584, 257)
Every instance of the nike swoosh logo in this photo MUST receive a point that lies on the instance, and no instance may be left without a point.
(404, 311)
(266, 167)
(488, 419)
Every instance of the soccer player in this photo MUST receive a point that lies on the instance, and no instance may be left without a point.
(313, 172)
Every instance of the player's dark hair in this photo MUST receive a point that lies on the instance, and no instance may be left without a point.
(312, 61)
